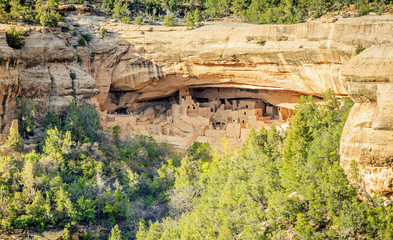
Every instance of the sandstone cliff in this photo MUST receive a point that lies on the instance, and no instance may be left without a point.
(41, 71)
(134, 64)
(367, 139)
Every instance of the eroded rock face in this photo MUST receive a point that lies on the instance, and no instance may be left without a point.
(367, 139)
(158, 61)
(139, 63)
(41, 71)
(135, 64)
(9, 86)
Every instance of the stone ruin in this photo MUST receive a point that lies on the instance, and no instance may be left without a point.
(200, 114)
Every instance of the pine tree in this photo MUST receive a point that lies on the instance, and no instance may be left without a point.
(64, 208)
(197, 16)
(115, 233)
(47, 12)
(120, 10)
(26, 116)
(72, 123)
(15, 141)
(51, 121)
(57, 143)
(89, 120)
(189, 20)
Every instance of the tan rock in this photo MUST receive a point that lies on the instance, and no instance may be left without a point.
(14, 125)
(41, 71)
(149, 113)
(161, 61)
(367, 138)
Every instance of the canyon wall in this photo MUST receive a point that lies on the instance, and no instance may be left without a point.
(41, 71)
(367, 139)
(137, 63)
(134, 64)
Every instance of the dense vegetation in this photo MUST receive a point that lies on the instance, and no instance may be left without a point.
(280, 184)
(46, 12)
(79, 175)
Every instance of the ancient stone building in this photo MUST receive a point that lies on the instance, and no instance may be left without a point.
(205, 115)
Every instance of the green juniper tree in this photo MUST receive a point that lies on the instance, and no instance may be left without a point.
(26, 116)
(115, 233)
(15, 141)
(47, 12)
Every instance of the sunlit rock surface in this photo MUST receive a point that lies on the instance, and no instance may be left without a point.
(134, 75)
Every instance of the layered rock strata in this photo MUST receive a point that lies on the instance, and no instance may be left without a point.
(133, 68)
(154, 62)
(367, 139)
(136, 63)
(44, 70)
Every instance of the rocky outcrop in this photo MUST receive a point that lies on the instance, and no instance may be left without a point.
(41, 71)
(136, 63)
(9, 84)
(367, 138)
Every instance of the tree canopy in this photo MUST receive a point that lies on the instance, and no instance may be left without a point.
(45, 12)
(279, 184)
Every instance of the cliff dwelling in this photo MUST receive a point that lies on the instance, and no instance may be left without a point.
(205, 114)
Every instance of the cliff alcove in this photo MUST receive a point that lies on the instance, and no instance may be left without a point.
(205, 113)
(126, 71)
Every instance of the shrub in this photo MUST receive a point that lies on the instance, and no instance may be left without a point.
(64, 28)
(138, 20)
(104, 31)
(189, 20)
(261, 42)
(363, 8)
(282, 38)
(52, 120)
(197, 15)
(89, 120)
(170, 20)
(116, 132)
(73, 75)
(359, 49)
(14, 140)
(47, 13)
(26, 115)
(82, 42)
(125, 20)
(86, 36)
(121, 11)
(115, 233)
(13, 36)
